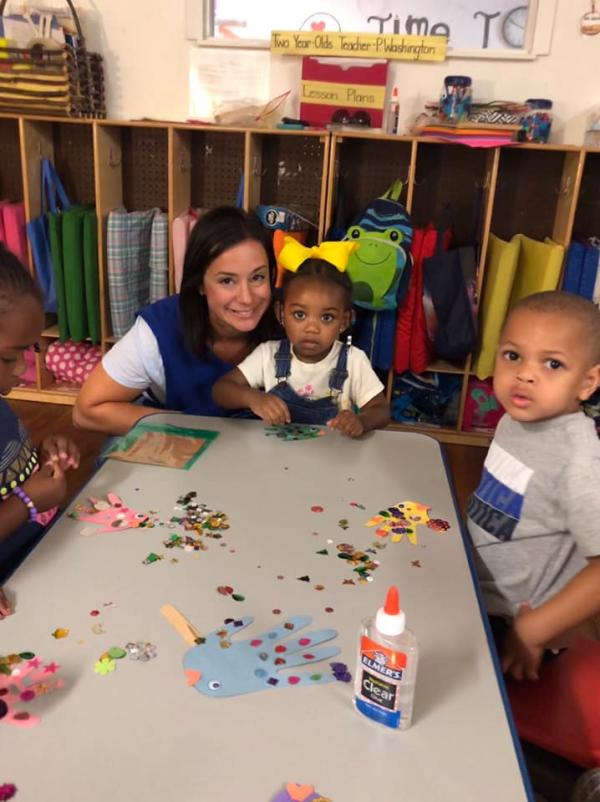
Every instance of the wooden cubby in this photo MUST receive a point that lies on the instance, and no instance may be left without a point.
(289, 169)
(538, 190)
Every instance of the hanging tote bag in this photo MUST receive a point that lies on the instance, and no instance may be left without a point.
(54, 223)
(53, 194)
(90, 270)
(500, 268)
(129, 236)
(454, 327)
(159, 257)
(538, 268)
(12, 223)
(181, 230)
(72, 242)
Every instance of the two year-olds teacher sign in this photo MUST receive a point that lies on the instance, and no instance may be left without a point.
(359, 45)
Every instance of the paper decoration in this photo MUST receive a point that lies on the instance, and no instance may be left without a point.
(295, 792)
(218, 666)
(27, 679)
(402, 519)
(111, 514)
(161, 444)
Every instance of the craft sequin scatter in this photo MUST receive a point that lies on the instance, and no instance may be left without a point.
(7, 791)
(363, 565)
(139, 650)
(294, 431)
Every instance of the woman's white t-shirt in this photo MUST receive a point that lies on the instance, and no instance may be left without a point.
(135, 361)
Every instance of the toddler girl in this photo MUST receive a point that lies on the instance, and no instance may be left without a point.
(310, 376)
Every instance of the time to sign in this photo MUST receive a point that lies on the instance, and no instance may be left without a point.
(359, 45)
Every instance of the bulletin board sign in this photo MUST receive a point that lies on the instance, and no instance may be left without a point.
(359, 45)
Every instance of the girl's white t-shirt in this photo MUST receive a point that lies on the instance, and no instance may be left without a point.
(311, 379)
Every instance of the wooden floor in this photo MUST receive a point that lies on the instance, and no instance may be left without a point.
(40, 419)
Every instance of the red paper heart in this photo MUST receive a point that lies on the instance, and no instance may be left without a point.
(299, 792)
(317, 26)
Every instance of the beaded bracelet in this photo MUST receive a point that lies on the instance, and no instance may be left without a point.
(22, 496)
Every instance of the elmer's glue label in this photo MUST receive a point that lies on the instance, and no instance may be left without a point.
(386, 666)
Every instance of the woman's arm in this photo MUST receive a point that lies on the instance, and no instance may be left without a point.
(104, 405)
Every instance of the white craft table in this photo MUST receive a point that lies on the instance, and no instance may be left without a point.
(141, 733)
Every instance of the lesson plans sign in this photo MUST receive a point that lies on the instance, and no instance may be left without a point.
(359, 45)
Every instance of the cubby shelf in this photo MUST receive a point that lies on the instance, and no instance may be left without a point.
(539, 190)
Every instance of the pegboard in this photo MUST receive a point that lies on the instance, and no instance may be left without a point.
(217, 166)
(527, 193)
(291, 173)
(11, 178)
(367, 168)
(454, 176)
(74, 160)
(145, 168)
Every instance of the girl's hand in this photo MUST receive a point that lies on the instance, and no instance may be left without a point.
(47, 488)
(348, 423)
(58, 450)
(270, 408)
(5, 606)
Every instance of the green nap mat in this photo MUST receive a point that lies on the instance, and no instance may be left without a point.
(90, 269)
(72, 231)
(56, 250)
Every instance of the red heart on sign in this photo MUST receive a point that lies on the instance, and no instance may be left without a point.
(317, 26)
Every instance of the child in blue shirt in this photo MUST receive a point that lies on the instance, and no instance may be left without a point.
(32, 481)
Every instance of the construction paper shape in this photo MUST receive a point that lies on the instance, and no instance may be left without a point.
(161, 444)
(294, 792)
(223, 667)
(402, 519)
(111, 514)
(26, 681)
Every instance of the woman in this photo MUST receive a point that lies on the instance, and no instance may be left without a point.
(179, 346)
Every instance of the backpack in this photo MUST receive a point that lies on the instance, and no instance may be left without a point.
(384, 233)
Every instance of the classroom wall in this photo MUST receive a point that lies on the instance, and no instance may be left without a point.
(146, 54)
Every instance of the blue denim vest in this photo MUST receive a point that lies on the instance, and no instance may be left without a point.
(303, 410)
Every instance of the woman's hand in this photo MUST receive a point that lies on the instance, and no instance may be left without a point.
(348, 423)
(47, 488)
(58, 450)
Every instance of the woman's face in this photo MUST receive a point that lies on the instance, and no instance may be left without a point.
(237, 288)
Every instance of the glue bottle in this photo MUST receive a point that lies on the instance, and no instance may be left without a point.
(393, 118)
(386, 667)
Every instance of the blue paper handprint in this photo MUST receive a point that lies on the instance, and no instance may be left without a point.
(220, 666)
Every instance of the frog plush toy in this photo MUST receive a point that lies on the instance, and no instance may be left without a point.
(384, 234)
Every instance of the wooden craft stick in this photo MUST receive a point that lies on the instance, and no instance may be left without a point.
(181, 625)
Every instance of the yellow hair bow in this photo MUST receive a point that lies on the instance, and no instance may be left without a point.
(293, 254)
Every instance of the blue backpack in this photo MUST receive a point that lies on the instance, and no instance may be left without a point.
(384, 234)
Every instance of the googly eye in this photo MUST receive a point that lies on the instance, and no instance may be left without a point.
(214, 685)
(354, 233)
(140, 516)
(394, 236)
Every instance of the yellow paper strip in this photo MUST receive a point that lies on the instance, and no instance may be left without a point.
(359, 45)
(355, 95)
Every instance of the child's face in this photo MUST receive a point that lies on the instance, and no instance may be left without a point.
(20, 328)
(544, 366)
(314, 314)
